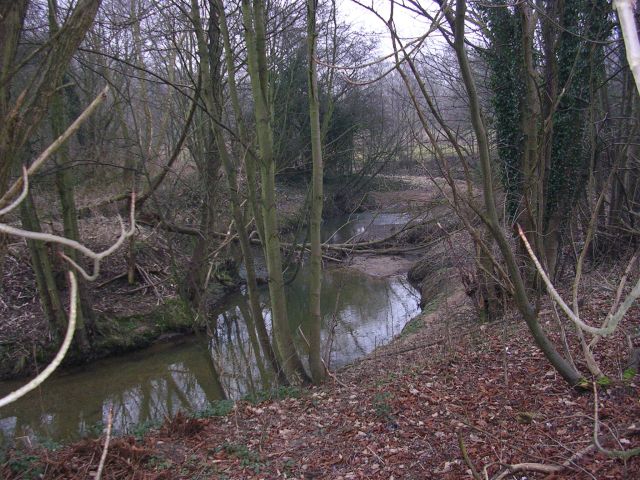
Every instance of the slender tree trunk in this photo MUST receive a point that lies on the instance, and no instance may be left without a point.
(45, 277)
(254, 24)
(12, 14)
(64, 185)
(210, 63)
(521, 297)
(18, 121)
(197, 272)
(315, 282)
(47, 288)
(532, 166)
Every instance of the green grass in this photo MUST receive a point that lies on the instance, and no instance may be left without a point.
(277, 393)
(248, 458)
(216, 408)
(381, 404)
(139, 430)
(412, 326)
(25, 466)
(628, 374)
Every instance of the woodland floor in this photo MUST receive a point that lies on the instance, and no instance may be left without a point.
(397, 414)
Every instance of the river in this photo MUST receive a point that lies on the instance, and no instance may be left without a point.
(360, 312)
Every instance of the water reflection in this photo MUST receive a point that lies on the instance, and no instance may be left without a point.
(142, 387)
(360, 312)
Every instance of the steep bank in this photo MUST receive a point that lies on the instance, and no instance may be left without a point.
(399, 413)
(133, 316)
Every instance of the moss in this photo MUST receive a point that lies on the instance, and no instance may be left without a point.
(628, 374)
(215, 408)
(111, 336)
(277, 393)
(412, 326)
(416, 323)
(140, 330)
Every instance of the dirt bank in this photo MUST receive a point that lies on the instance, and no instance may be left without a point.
(126, 313)
(399, 413)
(381, 265)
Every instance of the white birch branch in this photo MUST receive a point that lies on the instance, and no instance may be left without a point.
(612, 321)
(629, 29)
(22, 196)
(51, 149)
(103, 457)
(71, 327)
(97, 257)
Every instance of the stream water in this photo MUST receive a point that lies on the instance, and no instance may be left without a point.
(360, 312)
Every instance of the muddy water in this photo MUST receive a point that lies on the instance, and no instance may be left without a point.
(360, 312)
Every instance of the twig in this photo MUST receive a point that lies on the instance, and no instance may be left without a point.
(96, 256)
(51, 149)
(465, 456)
(529, 467)
(326, 369)
(107, 439)
(622, 454)
(376, 455)
(71, 327)
(112, 279)
(22, 196)
(148, 285)
(612, 320)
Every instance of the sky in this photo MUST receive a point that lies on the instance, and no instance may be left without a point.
(408, 26)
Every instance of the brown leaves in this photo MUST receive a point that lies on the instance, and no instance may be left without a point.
(398, 419)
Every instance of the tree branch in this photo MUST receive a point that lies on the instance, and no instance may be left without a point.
(71, 327)
(51, 149)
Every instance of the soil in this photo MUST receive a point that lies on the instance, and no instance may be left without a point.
(381, 265)
(402, 413)
(25, 337)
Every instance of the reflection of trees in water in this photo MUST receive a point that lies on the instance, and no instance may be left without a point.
(255, 344)
(225, 362)
(142, 391)
(369, 312)
(241, 366)
(363, 325)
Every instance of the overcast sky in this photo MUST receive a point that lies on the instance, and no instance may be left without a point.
(362, 19)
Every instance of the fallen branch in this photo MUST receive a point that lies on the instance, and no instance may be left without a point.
(355, 247)
(528, 467)
(465, 456)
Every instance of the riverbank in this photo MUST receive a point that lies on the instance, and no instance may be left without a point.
(402, 412)
(125, 314)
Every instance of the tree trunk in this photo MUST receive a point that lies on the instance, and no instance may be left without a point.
(254, 24)
(45, 277)
(315, 282)
(521, 297)
(18, 122)
(64, 185)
